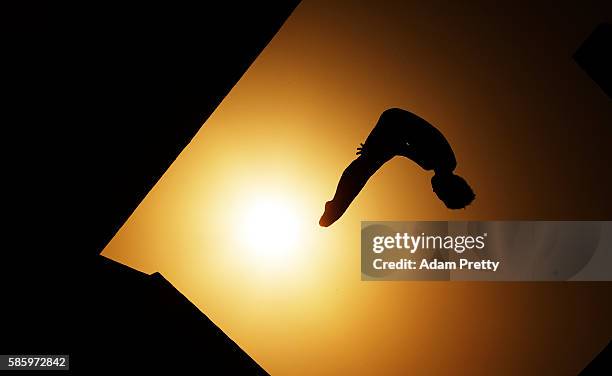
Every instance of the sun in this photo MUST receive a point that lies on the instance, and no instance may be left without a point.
(271, 231)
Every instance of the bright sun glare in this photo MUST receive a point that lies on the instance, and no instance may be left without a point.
(271, 231)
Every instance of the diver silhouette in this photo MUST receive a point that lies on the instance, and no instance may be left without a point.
(401, 133)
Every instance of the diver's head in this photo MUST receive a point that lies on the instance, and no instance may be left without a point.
(453, 190)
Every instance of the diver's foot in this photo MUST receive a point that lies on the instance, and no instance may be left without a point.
(330, 215)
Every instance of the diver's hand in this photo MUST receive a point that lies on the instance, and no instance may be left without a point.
(359, 149)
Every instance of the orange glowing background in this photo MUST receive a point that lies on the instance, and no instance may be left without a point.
(530, 132)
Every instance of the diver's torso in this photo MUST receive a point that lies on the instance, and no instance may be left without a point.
(400, 132)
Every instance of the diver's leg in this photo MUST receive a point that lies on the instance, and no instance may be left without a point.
(351, 182)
